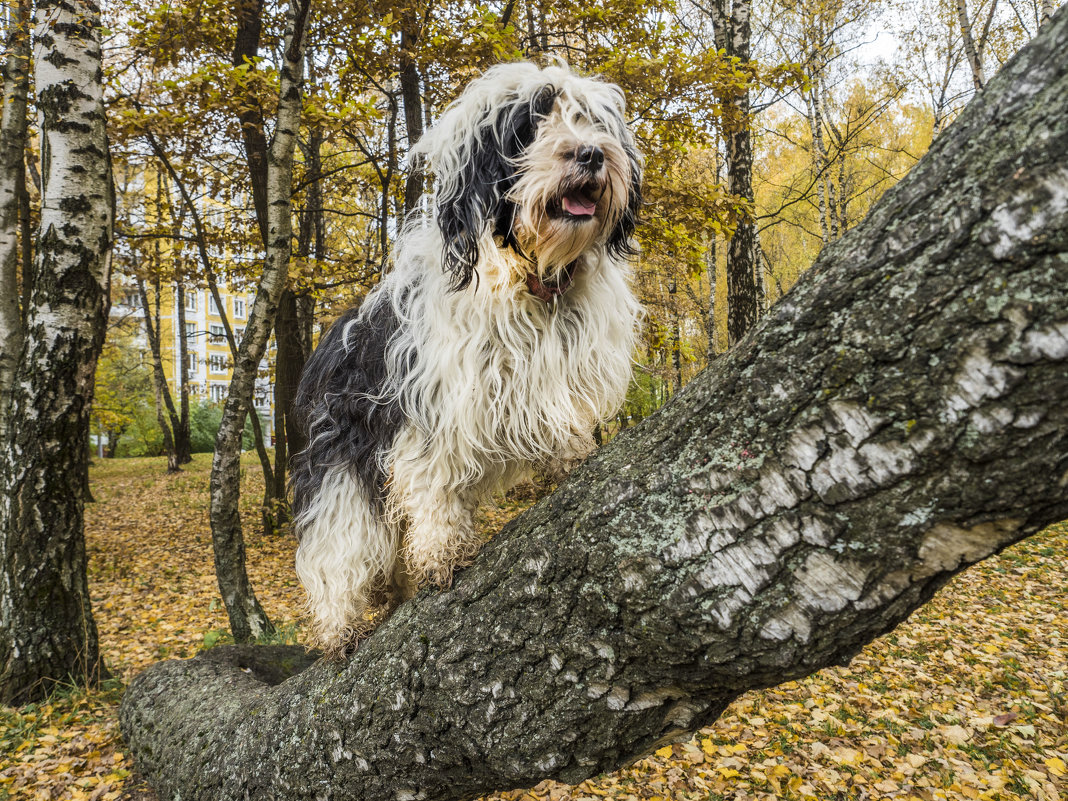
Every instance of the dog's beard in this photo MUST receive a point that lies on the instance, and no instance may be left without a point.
(563, 209)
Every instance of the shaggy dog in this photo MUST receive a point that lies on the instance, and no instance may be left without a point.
(501, 337)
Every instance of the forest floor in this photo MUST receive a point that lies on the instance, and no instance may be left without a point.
(968, 699)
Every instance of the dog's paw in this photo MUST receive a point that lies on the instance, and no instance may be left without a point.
(435, 573)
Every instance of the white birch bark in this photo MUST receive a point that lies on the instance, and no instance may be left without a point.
(47, 632)
(970, 50)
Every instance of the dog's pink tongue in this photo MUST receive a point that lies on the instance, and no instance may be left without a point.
(579, 206)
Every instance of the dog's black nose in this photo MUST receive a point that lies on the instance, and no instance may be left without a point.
(590, 156)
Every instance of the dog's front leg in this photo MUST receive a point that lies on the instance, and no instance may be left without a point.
(347, 552)
(439, 512)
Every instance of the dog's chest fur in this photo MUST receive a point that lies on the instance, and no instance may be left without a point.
(507, 377)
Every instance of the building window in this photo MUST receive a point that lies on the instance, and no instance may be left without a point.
(239, 308)
(191, 363)
(216, 334)
(190, 330)
(239, 334)
(218, 392)
(191, 300)
(217, 363)
(212, 308)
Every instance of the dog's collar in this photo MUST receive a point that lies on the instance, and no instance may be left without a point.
(550, 292)
(547, 293)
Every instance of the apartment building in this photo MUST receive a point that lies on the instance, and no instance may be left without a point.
(209, 365)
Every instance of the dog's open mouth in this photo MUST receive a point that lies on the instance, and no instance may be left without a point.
(579, 203)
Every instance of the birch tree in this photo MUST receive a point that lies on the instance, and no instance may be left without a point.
(247, 617)
(731, 25)
(12, 186)
(47, 631)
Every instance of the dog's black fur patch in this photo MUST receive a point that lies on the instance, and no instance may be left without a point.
(620, 245)
(339, 405)
(488, 174)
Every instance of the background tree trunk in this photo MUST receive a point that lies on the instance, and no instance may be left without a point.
(183, 444)
(247, 618)
(731, 26)
(246, 48)
(164, 401)
(12, 185)
(897, 417)
(412, 98)
(47, 631)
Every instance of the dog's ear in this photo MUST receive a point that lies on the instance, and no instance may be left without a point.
(478, 195)
(620, 244)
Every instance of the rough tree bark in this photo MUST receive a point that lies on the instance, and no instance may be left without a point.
(47, 632)
(247, 617)
(898, 416)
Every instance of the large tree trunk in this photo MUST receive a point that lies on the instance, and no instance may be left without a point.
(47, 632)
(247, 618)
(897, 417)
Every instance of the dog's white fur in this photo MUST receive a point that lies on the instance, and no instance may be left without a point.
(491, 380)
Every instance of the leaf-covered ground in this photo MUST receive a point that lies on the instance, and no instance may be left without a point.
(969, 699)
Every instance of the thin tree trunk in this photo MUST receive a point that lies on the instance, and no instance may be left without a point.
(412, 98)
(247, 618)
(249, 15)
(246, 49)
(267, 507)
(289, 363)
(12, 185)
(731, 26)
(292, 351)
(159, 377)
(968, 41)
(183, 446)
(710, 319)
(798, 499)
(386, 182)
(712, 269)
(213, 288)
(47, 630)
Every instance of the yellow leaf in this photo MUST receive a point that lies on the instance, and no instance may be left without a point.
(1056, 766)
(664, 752)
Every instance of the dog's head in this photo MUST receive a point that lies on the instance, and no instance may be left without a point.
(537, 160)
